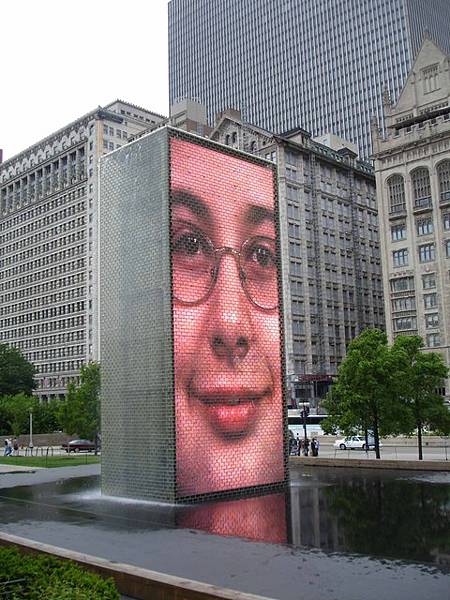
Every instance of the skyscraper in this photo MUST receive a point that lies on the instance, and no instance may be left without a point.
(412, 164)
(48, 242)
(318, 64)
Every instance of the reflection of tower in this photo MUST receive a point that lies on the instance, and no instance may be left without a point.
(311, 521)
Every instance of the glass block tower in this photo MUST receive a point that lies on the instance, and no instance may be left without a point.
(318, 64)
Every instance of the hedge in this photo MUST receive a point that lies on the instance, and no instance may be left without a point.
(48, 578)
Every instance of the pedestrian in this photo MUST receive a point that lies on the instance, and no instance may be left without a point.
(315, 447)
(299, 446)
(306, 447)
(5, 449)
(15, 446)
(8, 447)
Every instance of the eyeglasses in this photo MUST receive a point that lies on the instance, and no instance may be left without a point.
(196, 263)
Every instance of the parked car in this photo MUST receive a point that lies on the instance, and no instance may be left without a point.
(354, 442)
(79, 446)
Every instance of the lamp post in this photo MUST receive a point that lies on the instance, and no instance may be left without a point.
(305, 434)
(30, 445)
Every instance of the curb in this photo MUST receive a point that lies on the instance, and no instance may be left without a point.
(403, 465)
(135, 582)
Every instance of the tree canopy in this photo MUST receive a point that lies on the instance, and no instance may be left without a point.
(80, 411)
(16, 373)
(389, 390)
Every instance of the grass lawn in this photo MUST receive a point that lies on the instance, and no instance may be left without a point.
(51, 461)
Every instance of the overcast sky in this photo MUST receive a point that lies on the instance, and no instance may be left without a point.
(61, 59)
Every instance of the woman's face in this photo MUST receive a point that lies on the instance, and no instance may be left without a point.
(228, 397)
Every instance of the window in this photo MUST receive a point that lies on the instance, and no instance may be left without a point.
(429, 300)
(400, 257)
(396, 194)
(447, 248)
(429, 281)
(430, 78)
(443, 173)
(432, 320)
(405, 323)
(408, 303)
(402, 283)
(424, 226)
(433, 340)
(446, 221)
(420, 179)
(426, 253)
(398, 232)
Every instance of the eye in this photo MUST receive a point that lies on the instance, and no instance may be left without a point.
(261, 254)
(189, 243)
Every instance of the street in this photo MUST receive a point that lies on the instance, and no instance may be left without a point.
(387, 452)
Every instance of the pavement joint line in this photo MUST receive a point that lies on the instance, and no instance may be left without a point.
(135, 582)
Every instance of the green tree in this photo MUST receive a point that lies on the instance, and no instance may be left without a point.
(80, 412)
(15, 414)
(16, 373)
(421, 374)
(365, 395)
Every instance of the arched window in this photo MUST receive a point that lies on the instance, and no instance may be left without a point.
(227, 140)
(443, 173)
(421, 187)
(253, 146)
(396, 190)
(234, 137)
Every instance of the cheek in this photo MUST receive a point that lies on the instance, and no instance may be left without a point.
(189, 330)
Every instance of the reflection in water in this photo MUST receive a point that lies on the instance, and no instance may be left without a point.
(373, 514)
(261, 518)
(377, 513)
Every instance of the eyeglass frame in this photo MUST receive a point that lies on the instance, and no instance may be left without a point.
(218, 254)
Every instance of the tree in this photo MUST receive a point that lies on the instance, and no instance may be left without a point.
(422, 373)
(16, 373)
(365, 394)
(80, 412)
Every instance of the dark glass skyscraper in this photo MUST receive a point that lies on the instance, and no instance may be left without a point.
(318, 64)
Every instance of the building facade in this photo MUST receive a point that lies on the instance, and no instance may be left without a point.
(412, 163)
(48, 243)
(332, 283)
(318, 64)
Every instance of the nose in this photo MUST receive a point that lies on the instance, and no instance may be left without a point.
(230, 328)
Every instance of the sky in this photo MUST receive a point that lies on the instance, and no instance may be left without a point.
(62, 59)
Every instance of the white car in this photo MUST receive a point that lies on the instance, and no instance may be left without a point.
(354, 442)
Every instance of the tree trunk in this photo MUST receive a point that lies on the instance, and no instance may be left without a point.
(376, 435)
(419, 439)
(366, 437)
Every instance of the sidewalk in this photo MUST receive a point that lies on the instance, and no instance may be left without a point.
(18, 469)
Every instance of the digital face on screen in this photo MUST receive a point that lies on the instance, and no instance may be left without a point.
(228, 394)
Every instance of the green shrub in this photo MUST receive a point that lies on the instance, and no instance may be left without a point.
(48, 578)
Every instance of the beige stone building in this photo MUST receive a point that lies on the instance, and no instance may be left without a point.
(412, 164)
(332, 284)
(48, 242)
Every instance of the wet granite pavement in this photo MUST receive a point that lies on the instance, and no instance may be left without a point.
(261, 545)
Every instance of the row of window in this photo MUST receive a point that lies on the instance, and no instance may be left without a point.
(37, 238)
(120, 133)
(43, 288)
(46, 260)
(403, 284)
(46, 313)
(427, 253)
(30, 330)
(41, 208)
(56, 353)
(51, 340)
(423, 227)
(42, 275)
(405, 303)
(37, 225)
(39, 301)
(59, 367)
(66, 170)
(421, 187)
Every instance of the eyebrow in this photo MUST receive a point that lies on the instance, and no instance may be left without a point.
(192, 203)
(255, 215)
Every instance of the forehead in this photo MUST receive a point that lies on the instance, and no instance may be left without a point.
(218, 178)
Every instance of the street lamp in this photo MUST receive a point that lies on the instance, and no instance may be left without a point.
(30, 445)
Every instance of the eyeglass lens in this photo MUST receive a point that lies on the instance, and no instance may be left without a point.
(196, 262)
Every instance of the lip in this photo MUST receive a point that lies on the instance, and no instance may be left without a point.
(232, 412)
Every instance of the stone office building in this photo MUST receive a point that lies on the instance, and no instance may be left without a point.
(48, 242)
(412, 164)
(329, 231)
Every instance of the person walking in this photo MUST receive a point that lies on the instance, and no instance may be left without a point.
(306, 447)
(315, 447)
(15, 446)
(8, 447)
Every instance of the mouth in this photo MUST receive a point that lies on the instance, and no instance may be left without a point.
(232, 413)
